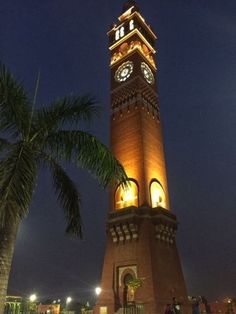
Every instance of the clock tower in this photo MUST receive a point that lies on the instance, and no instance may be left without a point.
(142, 271)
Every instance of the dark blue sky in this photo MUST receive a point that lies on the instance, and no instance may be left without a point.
(66, 41)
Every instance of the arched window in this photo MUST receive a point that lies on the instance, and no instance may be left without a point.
(122, 31)
(131, 25)
(126, 196)
(117, 35)
(157, 194)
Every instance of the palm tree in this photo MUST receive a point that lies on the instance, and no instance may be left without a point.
(32, 139)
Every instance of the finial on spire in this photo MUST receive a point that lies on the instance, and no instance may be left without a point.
(130, 3)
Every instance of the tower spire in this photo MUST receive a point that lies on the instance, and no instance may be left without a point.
(129, 4)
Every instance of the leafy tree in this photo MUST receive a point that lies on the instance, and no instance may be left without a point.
(32, 139)
(133, 285)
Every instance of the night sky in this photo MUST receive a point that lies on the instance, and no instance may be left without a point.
(67, 42)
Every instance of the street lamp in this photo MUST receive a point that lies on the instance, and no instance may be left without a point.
(68, 300)
(32, 297)
(31, 305)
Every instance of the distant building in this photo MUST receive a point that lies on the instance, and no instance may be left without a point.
(13, 305)
(48, 308)
(19, 305)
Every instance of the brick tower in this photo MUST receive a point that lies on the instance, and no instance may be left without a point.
(142, 270)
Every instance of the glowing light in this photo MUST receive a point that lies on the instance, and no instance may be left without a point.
(122, 31)
(32, 297)
(68, 300)
(126, 196)
(117, 36)
(98, 290)
(128, 47)
(131, 25)
(157, 195)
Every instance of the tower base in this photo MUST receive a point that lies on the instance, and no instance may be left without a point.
(141, 249)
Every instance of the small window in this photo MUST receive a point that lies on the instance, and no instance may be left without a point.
(103, 310)
(122, 31)
(117, 36)
(131, 25)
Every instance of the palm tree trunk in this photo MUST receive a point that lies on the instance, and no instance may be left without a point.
(7, 244)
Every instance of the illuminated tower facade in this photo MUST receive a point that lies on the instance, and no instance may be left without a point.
(142, 270)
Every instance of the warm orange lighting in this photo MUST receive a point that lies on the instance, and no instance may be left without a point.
(127, 47)
(126, 14)
(157, 195)
(126, 196)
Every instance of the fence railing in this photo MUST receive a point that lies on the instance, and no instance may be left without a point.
(134, 309)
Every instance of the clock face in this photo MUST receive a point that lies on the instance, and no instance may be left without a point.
(124, 71)
(147, 73)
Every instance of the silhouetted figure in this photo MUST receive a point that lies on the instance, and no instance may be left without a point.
(176, 306)
(207, 306)
(195, 305)
(169, 309)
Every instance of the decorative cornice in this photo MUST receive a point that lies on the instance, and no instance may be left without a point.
(123, 225)
(133, 32)
(129, 49)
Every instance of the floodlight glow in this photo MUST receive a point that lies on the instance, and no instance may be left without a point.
(68, 300)
(98, 290)
(33, 297)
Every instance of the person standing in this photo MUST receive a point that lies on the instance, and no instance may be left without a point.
(195, 305)
(176, 306)
(169, 309)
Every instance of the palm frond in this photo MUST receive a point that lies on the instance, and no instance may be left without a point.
(68, 110)
(67, 194)
(88, 152)
(14, 106)
(17, 179)
(4, 145)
